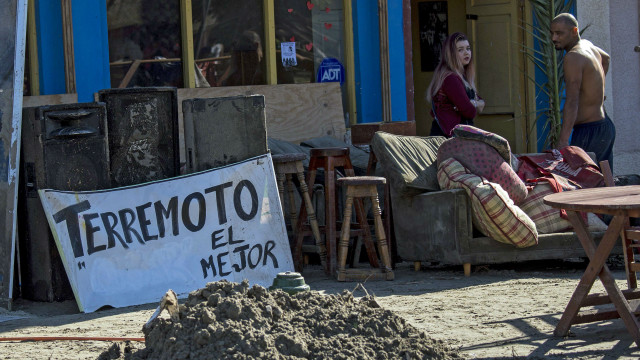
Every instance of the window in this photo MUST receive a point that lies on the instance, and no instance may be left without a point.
(144, 43)
(228, 41)
(316, 28)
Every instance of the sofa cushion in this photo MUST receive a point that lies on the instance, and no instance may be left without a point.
(494, 140)
(546, 218)
(494, 213)
(409, 162)
(483, 160)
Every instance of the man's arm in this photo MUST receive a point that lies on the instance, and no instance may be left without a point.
(573, 81)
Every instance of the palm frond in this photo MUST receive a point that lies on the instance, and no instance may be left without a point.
(549, 62)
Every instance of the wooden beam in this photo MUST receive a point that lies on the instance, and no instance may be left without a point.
(408, 60)
(186, 30)
(383, 16)
(67, 39)
(32, 43)
(270, 42)
(350, 67)
(588, 316)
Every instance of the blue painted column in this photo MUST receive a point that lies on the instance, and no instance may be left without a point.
(91, 47)
(396, 62)
(366, 36)
(50, 50)
(366, 39)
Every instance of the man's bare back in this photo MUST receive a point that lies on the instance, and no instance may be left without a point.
(586, 57)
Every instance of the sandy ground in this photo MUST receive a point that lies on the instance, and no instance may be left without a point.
(506, 311)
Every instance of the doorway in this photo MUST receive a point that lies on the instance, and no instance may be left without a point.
(492, 27)
(429, 20)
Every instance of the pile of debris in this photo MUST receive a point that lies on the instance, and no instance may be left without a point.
(231, 320)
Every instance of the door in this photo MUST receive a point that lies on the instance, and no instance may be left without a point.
(494, 36)
(428, 19)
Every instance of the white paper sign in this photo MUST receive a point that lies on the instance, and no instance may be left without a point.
(129, 245)
(288, 53)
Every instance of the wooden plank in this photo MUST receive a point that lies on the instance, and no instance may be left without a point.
(633, 234)
(384, 60)
(349, 64)
(32, 43)
(295, 112)
(129, 75)
(41, 100)
(601, 299)
(188, 67)
(67, 36)
(609, 313)
(13, 25)
(268, 7)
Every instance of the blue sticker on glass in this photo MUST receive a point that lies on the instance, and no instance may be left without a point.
(330, 70)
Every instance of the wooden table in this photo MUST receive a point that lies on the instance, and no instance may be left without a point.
(621, 202)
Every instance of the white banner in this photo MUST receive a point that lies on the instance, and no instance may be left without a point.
(129, 245)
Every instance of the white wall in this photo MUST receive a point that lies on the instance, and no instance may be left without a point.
(615, 27)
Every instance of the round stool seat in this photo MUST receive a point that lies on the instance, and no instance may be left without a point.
(334, 151)
(362, 180)
(280, 158)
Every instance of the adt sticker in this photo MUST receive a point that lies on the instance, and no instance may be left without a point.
(331, 70)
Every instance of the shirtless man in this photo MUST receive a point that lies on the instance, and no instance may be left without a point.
(585, 68)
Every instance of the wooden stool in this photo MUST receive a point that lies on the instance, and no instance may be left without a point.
(328, 159)
(363, 187)
(286, 165)
(387, 217)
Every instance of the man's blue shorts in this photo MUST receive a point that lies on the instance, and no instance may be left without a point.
(597, 137)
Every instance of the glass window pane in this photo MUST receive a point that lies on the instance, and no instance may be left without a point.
(228, 38)
(145, 42)
(317, 29)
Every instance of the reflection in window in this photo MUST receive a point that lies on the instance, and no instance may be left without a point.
(316, 28)
(144, 42)
(228, 41)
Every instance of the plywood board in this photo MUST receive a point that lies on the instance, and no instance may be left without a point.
(42, 100)
(295, 112)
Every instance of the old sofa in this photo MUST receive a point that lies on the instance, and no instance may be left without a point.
(433, 225)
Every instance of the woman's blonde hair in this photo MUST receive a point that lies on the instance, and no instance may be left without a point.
(450, 64)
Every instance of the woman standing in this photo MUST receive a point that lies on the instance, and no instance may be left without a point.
(452, 92)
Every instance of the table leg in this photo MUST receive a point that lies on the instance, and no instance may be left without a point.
(597, 267)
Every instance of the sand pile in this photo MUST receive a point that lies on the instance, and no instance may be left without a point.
(231, 320)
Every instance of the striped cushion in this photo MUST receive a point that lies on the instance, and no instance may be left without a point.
(494, 213)
(546, 218)
(483, 160)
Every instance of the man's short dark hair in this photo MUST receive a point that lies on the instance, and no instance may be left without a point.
(567, 19)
